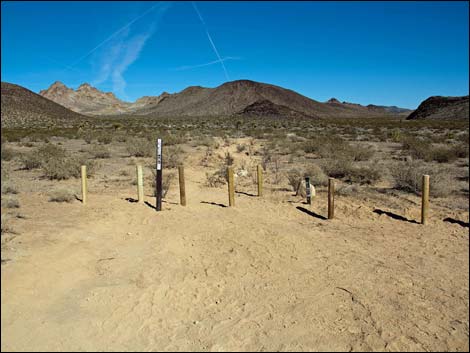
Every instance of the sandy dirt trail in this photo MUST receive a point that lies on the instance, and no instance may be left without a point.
(115, 275)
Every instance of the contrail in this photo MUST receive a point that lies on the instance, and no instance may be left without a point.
(189, 67)
(113, 35)
(211, 41)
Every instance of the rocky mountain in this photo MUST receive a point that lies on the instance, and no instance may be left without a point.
(85, 99)
(438, 107)
(22, 108)
(230, 98)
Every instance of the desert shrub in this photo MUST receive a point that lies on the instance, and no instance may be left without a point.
(31, 160)
(395, 135)
(363, 175)
(56, 162)
(347, 190)
(98, 151)
(105, 138)
(344, 169)
(172, 156)
(7, 153)
(266, 156)
(408, 177)
(461, 150)
(241, 148)
(62, 196)
(217, 178)
(441, 154)
(140, 147)
(294, 178)
(316, 174)
(8, 188)
(337, 168)
(361, 153)
(276, 169)
(9, 202)
(416, 147)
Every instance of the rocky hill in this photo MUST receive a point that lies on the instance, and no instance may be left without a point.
(230, 98)
(438, 107)
(85, 99)
(22, 108)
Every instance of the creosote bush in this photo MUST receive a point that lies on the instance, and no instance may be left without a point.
(62, 196)
(408, 177)
(56, 162)
(140, 147)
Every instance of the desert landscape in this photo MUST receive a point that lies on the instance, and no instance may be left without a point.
(271, 272)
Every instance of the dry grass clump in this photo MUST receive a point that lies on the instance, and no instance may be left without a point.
(408, 177)
(100, 152)
(10, 202)
(295, 177)
(140, 147)
(62, 195)
(7, 153)
(346, 170)
(172, 156)
(56, 162)
(217, 178)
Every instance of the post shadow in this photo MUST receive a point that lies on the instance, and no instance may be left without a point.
(132, 200)
(456, 221)
(311, 213)
(394, 216)
(245, 193)
(214, 203)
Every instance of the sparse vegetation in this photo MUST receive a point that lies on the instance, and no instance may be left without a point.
(62, 195)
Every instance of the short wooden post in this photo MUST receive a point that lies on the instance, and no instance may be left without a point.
(425, 200)
(260, 180)
(182, 186)
(158, 176)
(331, 198)
(84, 184)
(307, 190)
(231, 188)
(140, 184)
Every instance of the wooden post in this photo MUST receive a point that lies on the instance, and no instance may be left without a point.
(84, 184)
(307, 190)
(331, 198)
(231, 189)
(425, 200)
(158, 181)
(182, 187)
(140, 184)
(260, 180)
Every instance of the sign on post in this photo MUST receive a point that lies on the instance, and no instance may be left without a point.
(307, 190)
(158, 184)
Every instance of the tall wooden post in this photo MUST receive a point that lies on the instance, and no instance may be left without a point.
(307, 190)
(140, 184)
(84, 184)
(425, 200)
(182, 186)
(331, 198)
(231, 188)
(260, 180)
(158, 181)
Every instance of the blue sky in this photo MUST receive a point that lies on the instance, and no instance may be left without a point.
(396, 53)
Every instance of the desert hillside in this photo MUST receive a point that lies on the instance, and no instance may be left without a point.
(442, 108)
(24, 108)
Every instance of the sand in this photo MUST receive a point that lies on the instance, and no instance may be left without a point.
(264, 275)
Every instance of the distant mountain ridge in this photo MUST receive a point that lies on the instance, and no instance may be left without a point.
(230, 98)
